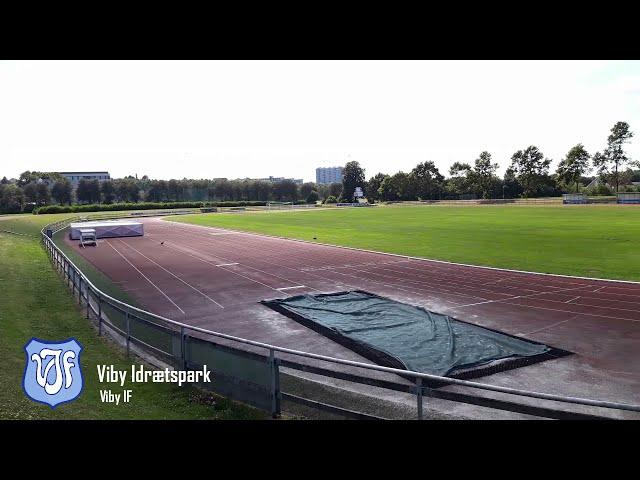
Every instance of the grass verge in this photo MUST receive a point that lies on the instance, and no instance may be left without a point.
(35, 303)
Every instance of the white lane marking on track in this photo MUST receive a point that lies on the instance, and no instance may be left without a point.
(511, 279)
(174, 275)
(225, 269)
(445, 283)
(570, 311)
(424, 281)
(183, 249)
(291, 288)
(341, 284)
(394, 286)
(549, 326)
(519, 296)
(594, 306)
(337, 284)
(506, 300)
(145, 277)
(496, 281)
(332, 267)
(424, 286)
(457, 264)
(418, 259)
(403, 288)
(569, 301)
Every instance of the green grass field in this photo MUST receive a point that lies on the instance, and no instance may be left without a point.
(29, 224)
(592, 241)
(34, 302)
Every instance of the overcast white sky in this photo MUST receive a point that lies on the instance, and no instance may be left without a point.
(285, 118)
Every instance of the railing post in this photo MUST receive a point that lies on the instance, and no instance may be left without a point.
(128, 331)
(275, 384)
(183, 348)
(88, 306)
(99, 315)
(419, 397)
(276, 367)
(80, 290)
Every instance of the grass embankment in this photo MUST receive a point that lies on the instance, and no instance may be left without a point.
(589, 240)
(29, 224)
(34, 302)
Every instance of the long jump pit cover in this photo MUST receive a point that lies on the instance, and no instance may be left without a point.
(403, 336)
(108, 229)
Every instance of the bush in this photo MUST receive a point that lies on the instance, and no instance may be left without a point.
(599, 190)
(52, 209)
(331, 199)
(629, 188)
(313, 197)
(114, 207)
(29, 207)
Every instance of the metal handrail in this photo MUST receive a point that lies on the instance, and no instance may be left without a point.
(405, 373)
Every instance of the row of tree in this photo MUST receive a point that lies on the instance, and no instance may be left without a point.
(527, 176)
(35, 189)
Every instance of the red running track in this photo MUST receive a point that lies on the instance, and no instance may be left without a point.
(215, 278)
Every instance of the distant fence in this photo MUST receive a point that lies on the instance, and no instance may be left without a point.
(629, 198)
(250, 371)
(482, 201)
(517, 201)
(354, 204)
(574, 199)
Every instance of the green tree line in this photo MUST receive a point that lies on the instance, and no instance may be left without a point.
(35, 189)
(528, 175)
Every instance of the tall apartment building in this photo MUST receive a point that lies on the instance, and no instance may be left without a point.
(329, 174)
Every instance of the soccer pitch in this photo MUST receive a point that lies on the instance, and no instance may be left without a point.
(591, 241)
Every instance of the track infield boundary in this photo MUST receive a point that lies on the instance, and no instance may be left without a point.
(633, 282)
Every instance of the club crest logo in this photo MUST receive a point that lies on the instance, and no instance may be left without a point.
(52, 374)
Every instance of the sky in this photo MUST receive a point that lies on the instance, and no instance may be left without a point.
(238, 119)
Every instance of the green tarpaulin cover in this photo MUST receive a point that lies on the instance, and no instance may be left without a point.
(409, 337)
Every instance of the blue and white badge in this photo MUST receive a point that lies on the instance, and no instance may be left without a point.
(52, 374)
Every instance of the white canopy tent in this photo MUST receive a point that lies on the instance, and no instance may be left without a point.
(107, 229)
